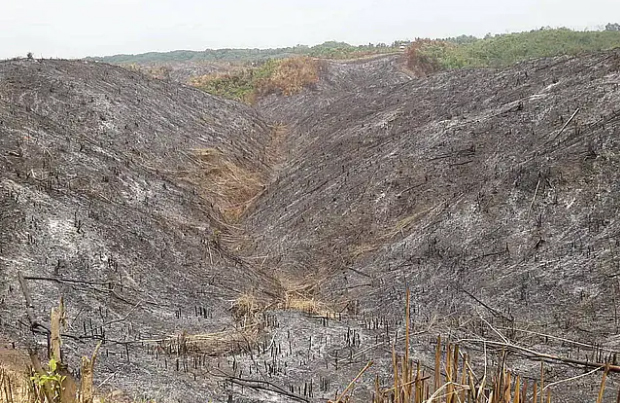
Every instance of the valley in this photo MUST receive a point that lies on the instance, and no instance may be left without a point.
(227, 252)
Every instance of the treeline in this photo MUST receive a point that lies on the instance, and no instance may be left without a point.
(427, 56)
(330, 49)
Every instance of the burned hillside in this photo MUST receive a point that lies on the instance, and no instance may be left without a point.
(262, 254)
(102, 203)
(490, 193)
(503, 182)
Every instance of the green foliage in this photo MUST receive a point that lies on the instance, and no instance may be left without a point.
(234, 86)
(50, 380)
(504, 50)
(240, 85)
(330, 49)
(612, 27)
(462, 39)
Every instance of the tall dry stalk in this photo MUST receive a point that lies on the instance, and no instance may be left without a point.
(453, 379)
(55, 384)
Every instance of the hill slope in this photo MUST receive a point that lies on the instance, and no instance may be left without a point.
(478, 189)
(464, 172)
(492, 194)
(102, 172)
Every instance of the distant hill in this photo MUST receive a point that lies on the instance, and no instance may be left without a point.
(242, 74)
(454, 52)
(330, 49)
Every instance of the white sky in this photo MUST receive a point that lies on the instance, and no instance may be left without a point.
(78, 28)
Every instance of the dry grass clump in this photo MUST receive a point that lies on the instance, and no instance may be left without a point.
(212, 344)
(247, 308)
(276, 76)
(304, 297)
(418, 59)
(230, 187)
(290, 76)
(299, 301)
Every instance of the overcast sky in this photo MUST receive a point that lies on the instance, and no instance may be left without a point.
(78, 28)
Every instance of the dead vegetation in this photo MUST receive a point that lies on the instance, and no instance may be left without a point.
(298, 300)
(248, 308)
(453, 379)
(217, 344)
(52, 382)
(230, 187)
(14, 384)
(229, 184)
(290, 76)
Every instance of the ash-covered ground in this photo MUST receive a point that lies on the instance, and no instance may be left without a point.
(491, 194)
